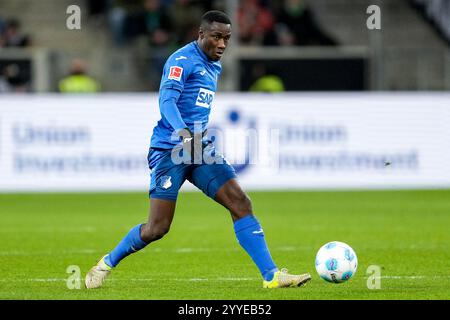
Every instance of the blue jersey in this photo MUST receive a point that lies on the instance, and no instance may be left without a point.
(190, 72)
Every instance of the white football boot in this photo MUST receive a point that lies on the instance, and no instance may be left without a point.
(282, 279)
(97, 275)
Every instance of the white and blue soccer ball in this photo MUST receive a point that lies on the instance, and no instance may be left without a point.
(336, 262)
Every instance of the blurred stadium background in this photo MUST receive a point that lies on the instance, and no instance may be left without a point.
(352, 108)
(345, 99)
(124, 43)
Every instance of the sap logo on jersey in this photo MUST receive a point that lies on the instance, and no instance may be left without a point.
(205, 98)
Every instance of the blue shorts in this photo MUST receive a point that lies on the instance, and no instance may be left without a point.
(166, 177)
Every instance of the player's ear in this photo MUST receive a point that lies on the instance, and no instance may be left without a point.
(201, 33)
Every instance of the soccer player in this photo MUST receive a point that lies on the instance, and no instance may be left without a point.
(188, 85)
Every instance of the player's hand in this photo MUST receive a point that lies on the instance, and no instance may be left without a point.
(192, 145)
(186, 135)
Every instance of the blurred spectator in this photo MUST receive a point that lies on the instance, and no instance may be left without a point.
(98, 11)
(121, 20)
(12, 35)
(131, 18)
(2, 26)
(284, 35)
(98, 7)
(165, 21)
(78, 81)
(255, 22)
(437, 12)
(186, 15)
(4, 84)
(13, 79)
(268, 83)
(298, 26)
(266, 80)
(155, 22)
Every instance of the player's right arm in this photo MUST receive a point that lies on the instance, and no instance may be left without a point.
(169, 109)
(176, 72)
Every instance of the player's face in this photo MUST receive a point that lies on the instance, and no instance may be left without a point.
(214, 39)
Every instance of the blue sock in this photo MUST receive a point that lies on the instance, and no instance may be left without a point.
(251, 237)
(130, 244)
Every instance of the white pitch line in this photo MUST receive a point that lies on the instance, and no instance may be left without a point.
(186, 279)
(46, 253)
(253, 279)
(134, 279)
(414, 277)
(34, 280)
(149, 251)
(46, 280)
(50, 230)
(231, 279)
(407, 277)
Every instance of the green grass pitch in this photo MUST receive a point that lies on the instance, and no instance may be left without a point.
(406, 233)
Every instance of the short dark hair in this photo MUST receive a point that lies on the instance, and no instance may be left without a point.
(215, 16)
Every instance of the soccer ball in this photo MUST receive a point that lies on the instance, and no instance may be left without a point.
(336, 262)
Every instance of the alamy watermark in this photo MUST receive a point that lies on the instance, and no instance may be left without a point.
(374, 279)
(73, 21)
(240, 146)
(74, 280)
(374, 20)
